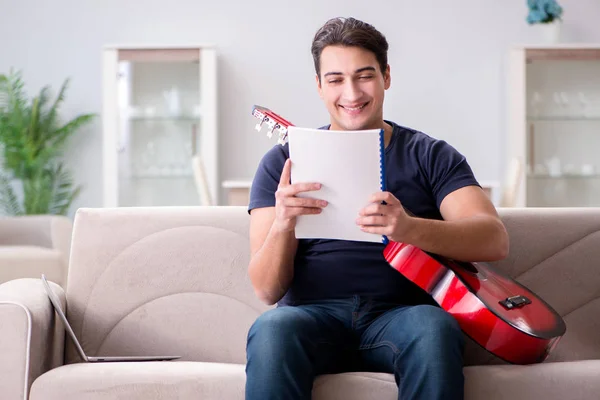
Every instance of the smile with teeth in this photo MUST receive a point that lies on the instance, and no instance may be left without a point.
(355, 108)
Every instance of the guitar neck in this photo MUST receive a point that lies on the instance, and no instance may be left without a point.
(273, 121)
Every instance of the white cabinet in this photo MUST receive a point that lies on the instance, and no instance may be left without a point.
(159, 126)
(553, 104)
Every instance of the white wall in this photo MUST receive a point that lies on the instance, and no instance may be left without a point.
(447, 61)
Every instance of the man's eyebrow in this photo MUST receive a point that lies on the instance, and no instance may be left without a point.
(363, 69)
(358, 71)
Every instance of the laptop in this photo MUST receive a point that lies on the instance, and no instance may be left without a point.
(56, 304)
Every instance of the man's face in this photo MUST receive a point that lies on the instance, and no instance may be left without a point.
(352, 87)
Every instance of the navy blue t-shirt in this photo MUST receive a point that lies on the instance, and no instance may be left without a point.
(420, 172)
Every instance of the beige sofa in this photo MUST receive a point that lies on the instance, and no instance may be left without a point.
(147, 281)
(34, 243)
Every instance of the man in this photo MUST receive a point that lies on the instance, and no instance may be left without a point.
(341, 306)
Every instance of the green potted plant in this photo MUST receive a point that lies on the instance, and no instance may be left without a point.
(32, 141)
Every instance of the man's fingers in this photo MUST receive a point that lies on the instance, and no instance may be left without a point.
(303, 202)
(372, 221)
(285, 181)
(286, 173)
(286, 195)
(293, 190)
(375, 209)
(304, 187)
(296, 211)
(384, 196)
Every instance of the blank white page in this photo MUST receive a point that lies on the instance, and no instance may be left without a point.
(348, 165)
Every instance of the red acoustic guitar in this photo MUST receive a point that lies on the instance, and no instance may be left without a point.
(498, 313)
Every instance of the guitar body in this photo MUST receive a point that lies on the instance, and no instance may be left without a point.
(504, 317)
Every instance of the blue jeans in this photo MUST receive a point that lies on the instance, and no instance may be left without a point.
(289, 346)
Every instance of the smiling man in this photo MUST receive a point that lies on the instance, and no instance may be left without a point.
(341, 307)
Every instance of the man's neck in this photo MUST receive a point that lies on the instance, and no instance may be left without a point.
(387, 133)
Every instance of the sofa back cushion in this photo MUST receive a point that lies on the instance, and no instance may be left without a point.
(555, 252)
(173, 280)
(161, 281)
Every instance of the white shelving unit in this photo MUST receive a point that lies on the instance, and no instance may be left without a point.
(159, 112)
(554, 124)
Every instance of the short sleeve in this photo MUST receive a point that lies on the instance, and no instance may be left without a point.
(266, 178)
(448, 170)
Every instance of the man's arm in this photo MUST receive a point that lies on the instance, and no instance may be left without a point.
(471, 229)
(271, 267)
(272, 239)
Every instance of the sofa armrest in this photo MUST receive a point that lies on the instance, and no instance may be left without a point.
(31, 342)
(50, 231)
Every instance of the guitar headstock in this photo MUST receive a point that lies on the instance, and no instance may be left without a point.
(273, 121)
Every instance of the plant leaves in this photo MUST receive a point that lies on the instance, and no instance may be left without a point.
(9, 204)
(32, 140)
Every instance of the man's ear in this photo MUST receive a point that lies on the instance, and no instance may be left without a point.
(387, 78)
(319, 87)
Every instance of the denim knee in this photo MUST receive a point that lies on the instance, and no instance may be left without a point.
(279, 355)
(438, 329)
(275, 333)
(431, 364)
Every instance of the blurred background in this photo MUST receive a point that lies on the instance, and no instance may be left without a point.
(161, 93)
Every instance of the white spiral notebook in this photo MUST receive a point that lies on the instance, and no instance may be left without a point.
(350, 165)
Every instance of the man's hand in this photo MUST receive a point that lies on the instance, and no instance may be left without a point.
(288, 206)
(470, 229)
(388, 219)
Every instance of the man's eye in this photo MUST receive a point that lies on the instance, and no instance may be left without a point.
(335, 81)
(365, 77)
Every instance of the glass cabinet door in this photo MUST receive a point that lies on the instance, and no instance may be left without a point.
(563, 122)
(159, 130)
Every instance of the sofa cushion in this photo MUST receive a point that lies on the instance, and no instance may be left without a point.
(207, 381)
(355, 386)
(172, 281)
(31, 252)
(30, 262)
(17, 256)
(555, 253)
(549, 381)
(147, 381)
(574, 380)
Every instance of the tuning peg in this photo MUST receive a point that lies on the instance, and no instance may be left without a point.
(258, 114)
(282, 135)
(271, 124)
(282, 139)
(258, 126)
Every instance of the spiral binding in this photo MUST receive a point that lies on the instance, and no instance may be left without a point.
(382, 184)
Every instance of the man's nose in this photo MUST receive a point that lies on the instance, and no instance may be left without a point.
(352, 91)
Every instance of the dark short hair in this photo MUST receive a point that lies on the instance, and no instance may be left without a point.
(349, 32)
